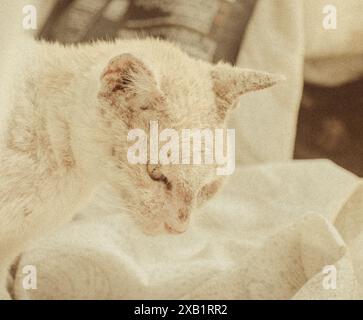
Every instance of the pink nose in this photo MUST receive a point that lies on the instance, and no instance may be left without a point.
(180, 224)
(172, 230)
(183, 215)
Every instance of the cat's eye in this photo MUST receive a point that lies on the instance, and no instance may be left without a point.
(154, 171)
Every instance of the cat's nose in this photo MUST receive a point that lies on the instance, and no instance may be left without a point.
(183, 215)
(181, 223)
(173, 230)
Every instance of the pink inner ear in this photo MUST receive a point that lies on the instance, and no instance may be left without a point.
(126, 79)
(125, 72)
(118, 63)
(118, 74)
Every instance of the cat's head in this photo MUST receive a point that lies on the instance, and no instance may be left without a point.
(155, 81)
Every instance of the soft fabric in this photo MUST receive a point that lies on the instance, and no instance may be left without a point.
(269, 234)
(333, 56)
(266, 122)
(346, 39)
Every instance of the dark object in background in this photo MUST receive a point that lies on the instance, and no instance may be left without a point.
(330, 125)
(208, 29)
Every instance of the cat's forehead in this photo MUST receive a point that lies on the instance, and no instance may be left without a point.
(183, 79)
(190, 108)
(189, 92)
(175, 70)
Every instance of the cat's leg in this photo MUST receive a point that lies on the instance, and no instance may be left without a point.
(35, 198)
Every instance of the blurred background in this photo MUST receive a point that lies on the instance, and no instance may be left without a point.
(329, 121)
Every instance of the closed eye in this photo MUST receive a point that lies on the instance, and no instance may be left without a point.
(155, 174)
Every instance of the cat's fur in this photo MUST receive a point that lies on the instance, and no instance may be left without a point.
(64, 123)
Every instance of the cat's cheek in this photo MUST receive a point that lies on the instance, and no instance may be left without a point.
(149, 225)
(209, 191)
(149, 215)
(153, 230)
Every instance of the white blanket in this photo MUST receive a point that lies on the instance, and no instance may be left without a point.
(281, 230)
(268, 235)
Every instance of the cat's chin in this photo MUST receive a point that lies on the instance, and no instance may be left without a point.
(171, 230)
(162, 229)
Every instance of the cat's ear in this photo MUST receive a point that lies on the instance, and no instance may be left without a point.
(127, 81)
(229, 83)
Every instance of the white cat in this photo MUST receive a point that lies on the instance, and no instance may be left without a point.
(64, 125)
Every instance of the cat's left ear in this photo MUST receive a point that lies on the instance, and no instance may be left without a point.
(229, 83)
(127, 82)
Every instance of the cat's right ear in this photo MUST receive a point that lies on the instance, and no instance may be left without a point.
(128, 82)
(229, 83)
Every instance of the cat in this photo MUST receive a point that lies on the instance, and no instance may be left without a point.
(64, 124)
